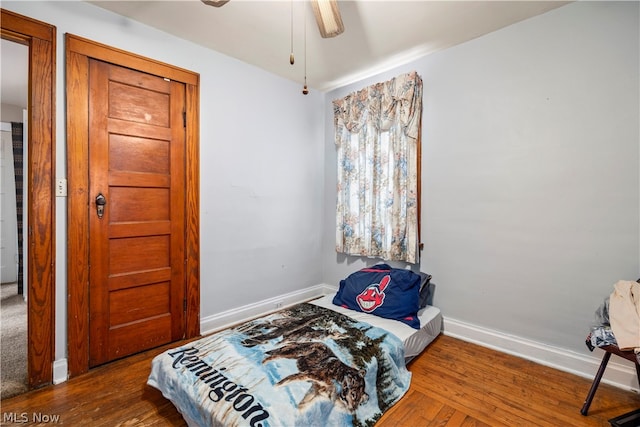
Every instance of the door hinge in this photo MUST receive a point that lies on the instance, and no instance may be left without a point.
(184, 119)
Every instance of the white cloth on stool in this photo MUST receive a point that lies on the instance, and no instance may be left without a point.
(624, 314)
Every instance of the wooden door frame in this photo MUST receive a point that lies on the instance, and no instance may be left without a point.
(40, 230)
(78, 53)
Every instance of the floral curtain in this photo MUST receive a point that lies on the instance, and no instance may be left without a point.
(377, 134)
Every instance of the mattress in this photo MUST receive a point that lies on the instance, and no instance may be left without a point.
(305, 365)
(414, 340)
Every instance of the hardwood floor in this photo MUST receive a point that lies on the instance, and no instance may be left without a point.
(454, 383)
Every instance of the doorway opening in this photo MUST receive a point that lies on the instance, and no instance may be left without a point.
(13, 304)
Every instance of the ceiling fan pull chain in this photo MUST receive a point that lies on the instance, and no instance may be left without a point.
(305, 90)
(291, 58)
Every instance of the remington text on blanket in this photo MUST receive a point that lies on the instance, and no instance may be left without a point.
(221, 386)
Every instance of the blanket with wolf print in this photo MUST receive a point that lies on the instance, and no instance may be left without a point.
(302, 366)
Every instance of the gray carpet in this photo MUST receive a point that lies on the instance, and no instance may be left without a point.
(13, 342)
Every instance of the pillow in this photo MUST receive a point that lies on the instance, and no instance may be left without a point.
(383, 291)
(426, 296)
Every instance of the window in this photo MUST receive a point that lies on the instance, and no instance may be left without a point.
(377, 135)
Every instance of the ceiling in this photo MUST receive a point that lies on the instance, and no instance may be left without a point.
(378, 36)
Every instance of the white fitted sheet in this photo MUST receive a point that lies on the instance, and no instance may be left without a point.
(415, 340)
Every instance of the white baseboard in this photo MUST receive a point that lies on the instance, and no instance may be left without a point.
(228, 318)
(617, 374)
(60, 371)
(622, 375)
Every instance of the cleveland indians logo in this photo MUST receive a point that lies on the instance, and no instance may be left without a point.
(373, 297)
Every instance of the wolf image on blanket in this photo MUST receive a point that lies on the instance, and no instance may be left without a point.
(305, 329)
(328, 375)
(263, 330)
(305, 365)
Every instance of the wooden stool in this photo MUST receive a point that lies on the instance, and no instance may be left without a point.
(608, 351)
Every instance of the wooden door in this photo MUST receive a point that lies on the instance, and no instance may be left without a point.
(137, 242)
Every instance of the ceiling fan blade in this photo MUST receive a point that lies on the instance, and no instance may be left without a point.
(328, 17)
(326, 12)
(215, 3)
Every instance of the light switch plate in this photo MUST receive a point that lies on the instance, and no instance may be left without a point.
(61, 187)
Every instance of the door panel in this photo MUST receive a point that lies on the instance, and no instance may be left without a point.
(126, 309)
(138, 105)
(139, 204)
(144, 155)
(135, 255)
(131, 338)
(136, 160)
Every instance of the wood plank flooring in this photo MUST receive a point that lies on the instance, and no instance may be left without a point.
(454, 383)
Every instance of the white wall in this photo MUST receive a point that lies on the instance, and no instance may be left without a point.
(8, 216)
(530, 163)
(530, 184)
(10, 113)
(261, 163)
